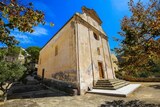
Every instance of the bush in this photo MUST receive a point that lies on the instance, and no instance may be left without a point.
(133, 79)
(144, 74)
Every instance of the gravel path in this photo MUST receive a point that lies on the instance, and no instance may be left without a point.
(147, 93)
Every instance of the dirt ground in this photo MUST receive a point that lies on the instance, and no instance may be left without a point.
(148, 92)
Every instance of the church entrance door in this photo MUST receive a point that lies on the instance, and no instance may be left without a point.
(101, 72)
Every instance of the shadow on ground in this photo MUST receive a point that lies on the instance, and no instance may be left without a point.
(155, 86)
(132, 103)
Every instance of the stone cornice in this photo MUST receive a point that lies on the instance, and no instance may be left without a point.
(92, 14)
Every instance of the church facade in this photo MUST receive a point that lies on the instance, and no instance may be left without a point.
(78, 53)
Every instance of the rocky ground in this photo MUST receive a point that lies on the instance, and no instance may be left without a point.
(148, 95)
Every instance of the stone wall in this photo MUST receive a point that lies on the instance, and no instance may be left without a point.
(61, 64)
(68, 87)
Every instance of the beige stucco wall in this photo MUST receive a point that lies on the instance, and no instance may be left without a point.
(88, 55)
(63, 65)
(85, 65)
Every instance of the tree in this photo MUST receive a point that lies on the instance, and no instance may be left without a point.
(10, 72)
(3, 52)
(14, 15)
(13, 51)
(141, 33)
(32, 59)
(34, 53)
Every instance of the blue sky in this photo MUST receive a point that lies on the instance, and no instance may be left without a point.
(60, 11)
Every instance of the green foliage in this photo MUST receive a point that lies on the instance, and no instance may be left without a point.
(13, 51)
(13, 15)
(3, 52)
(34, 53)
(142, 79)
(51, 24)
(141, 33)
(10, 72)
(144, 74)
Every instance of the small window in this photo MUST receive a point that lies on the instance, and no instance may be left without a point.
(56, 50)
(98, 51)
(39, 61)
(96, 36)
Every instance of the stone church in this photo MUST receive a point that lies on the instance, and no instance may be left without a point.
(78, 53)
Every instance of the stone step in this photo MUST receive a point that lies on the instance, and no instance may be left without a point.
(109, 82)
(122, 85)
(111, 85)
(115, 82)
(104, 88)
(110, 88)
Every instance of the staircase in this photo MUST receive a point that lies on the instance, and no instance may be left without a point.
(33, 89)
(111, 84)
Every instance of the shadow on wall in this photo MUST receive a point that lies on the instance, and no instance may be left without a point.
(155, 86)
(68, 76)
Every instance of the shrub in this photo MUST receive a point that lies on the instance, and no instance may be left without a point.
(133, 79)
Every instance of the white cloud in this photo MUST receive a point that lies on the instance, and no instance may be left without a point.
(38, 31)
(22, 38)
(28, 38)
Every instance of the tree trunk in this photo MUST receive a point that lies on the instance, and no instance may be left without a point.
(5, 97)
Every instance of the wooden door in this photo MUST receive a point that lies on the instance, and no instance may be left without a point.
(101, 73)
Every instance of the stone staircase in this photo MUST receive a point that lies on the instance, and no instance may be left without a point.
(33, 89)
(111, 84)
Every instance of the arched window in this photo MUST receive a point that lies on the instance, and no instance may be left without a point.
(96, 36)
